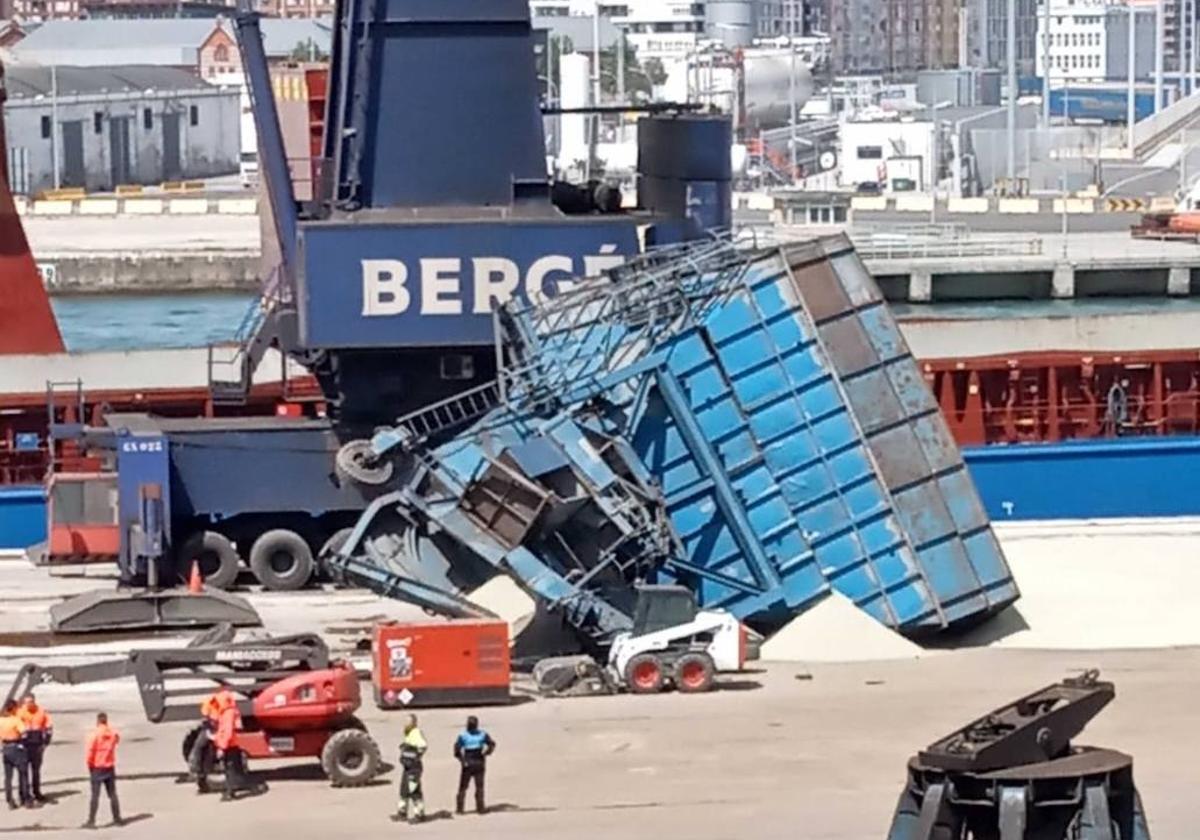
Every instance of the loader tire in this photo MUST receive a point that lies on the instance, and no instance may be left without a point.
(645, 674)
(694, 673)
(217, 556)
(281, 560)
(350, 758)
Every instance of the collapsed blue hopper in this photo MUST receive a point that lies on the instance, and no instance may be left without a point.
(746, 421)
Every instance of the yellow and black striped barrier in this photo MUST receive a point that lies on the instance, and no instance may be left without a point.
(1124, 205)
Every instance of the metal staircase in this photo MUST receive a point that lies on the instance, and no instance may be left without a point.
(231, 366)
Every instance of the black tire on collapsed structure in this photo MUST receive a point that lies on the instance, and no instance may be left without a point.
(350, 758)
(281, 560)
(695, 673)
(645, 674)
(331, 546)
(217, 556)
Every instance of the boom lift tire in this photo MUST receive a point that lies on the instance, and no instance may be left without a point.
(694, 673)
(281, 560)
(217, 556)
(645, 674)
(189, 741)
(350, 758)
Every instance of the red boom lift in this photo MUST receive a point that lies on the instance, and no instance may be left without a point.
(295, 702)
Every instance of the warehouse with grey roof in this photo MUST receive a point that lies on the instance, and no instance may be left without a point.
(97, 128)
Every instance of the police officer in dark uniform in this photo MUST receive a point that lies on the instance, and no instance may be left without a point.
(472, 749)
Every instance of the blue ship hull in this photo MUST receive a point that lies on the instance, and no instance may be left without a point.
(1109, 479)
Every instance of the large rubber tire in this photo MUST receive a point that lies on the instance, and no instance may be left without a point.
(350, 758)
(281, 560)
(189, 741)
(330, 546)
(355, 461)
(695, 673)
(645, 674)
(219, 560)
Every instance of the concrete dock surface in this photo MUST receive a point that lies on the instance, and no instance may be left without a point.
(805, 750)
(769, 756)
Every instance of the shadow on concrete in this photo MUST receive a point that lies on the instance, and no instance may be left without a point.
(1007, 622)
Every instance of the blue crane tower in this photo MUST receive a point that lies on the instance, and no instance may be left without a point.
(432, 206)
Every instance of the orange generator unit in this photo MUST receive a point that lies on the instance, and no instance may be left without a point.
(462, 662)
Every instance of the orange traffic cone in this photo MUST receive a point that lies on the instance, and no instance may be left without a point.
(195, 582)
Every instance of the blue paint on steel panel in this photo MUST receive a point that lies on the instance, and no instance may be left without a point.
(941, 452)
(331, 281)
(22, 516)
(922, 515)
(987, 559)
(883, 332)
(964, 505)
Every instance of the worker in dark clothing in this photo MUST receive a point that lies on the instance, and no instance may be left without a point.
(412, 763)
(100, 754)
(16, 760)
(472, 749)
(39, 730)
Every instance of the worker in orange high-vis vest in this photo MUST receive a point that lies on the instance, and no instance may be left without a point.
(101, 757)
(202, 755)
(39, 731)
(233, 759)
(12, 742)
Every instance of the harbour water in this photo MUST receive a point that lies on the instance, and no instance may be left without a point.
(138, 322)
(147, 321)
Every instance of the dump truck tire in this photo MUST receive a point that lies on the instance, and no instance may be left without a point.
(695, 673)
(218, 558)
(645, 674)
(350, 758)
(281, 560)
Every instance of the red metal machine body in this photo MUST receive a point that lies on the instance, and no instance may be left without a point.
(311, 700)
(296, 716)
(1048, 397)
(27, 323)
(440, 663)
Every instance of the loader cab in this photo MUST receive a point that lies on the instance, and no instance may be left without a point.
(660, 607)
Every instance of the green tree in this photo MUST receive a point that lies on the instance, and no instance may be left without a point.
(307, 50)
(639, 80)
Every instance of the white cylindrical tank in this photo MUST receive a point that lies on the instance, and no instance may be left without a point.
(768, 87)
(730, 21)
(574, 92)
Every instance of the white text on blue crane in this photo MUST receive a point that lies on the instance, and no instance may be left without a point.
(492, 280)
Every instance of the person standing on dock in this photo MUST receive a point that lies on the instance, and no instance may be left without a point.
(39, 730)
(472, 749)
(16, 760)
(412, 752)
(101, 757)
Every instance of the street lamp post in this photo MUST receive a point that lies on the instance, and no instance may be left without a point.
(54, 153)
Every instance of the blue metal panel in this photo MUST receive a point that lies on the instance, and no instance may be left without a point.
(1089, 480)
(374, 285)
(22, 516)
(212, 475)
(801, 431)
(143, 459)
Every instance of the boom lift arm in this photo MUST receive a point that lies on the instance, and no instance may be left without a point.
(170, 674)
